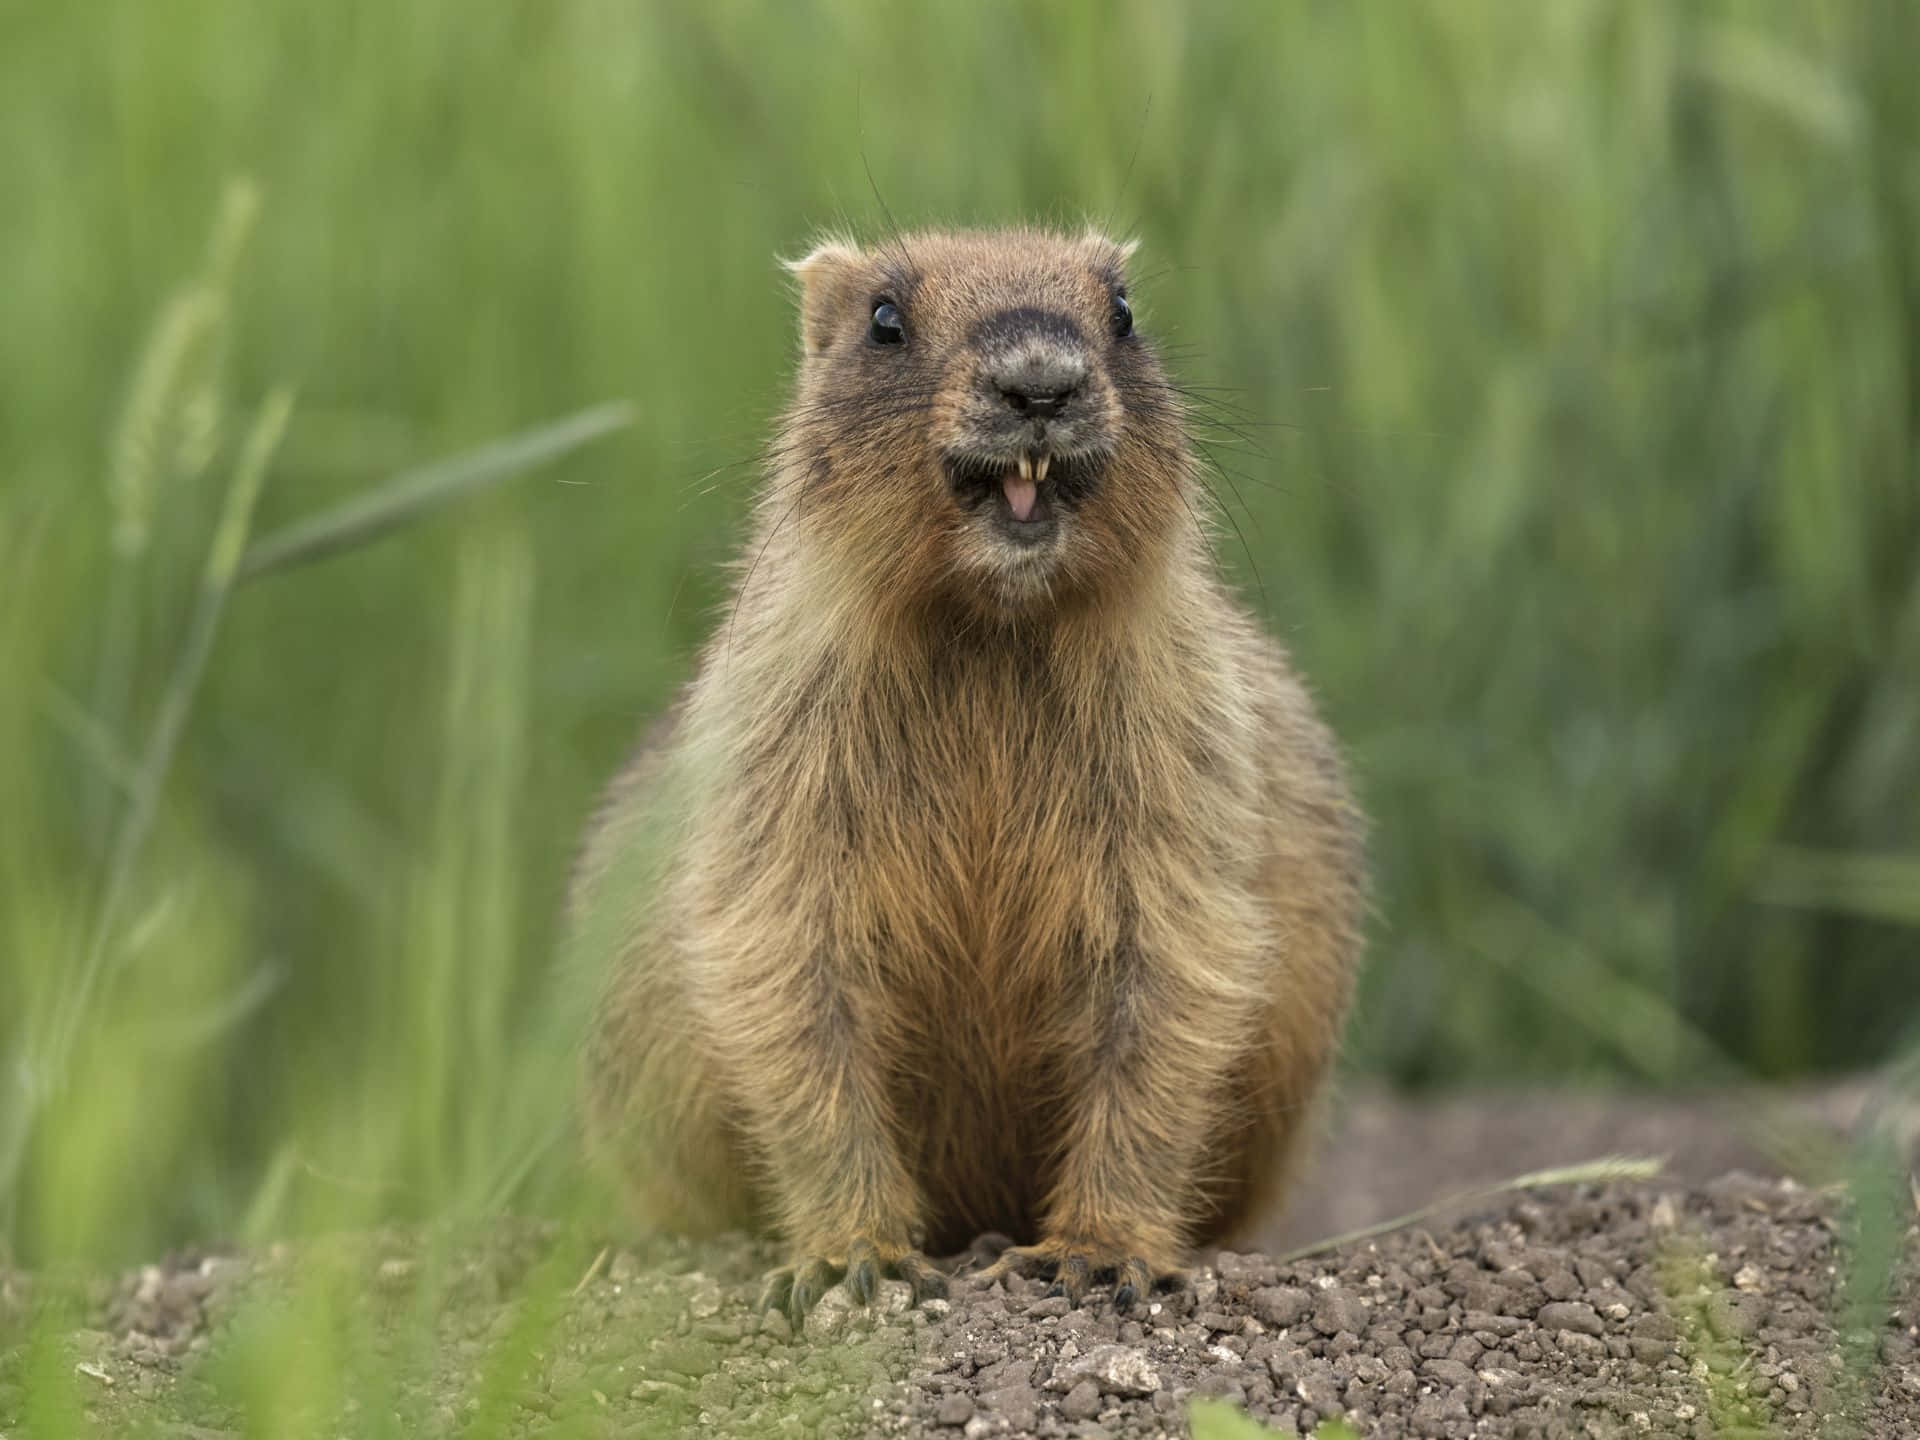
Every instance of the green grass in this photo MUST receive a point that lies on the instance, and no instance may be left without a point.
(1217, 1420)
(1570, 436)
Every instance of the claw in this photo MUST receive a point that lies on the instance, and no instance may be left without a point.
(1074, 1274)
(1133, 1280)
(779, 1290)
(1073, 1271)
(797, 1288)
(1028, 1260)
(863, 1273)
(816, 1277)
(923, 1281)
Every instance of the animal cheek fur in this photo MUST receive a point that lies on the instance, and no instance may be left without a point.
(944, 428)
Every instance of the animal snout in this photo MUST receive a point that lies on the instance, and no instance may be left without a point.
(1038, 379)
(1038, 403)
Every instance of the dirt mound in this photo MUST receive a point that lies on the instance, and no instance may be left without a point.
(1389, 1154)
(1627, 1309)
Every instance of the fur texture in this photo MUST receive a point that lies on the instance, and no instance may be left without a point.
(978, 881)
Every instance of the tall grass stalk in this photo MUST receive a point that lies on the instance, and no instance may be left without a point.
(43, 1067)
(169, 432)
(466, 896)
(415, 493)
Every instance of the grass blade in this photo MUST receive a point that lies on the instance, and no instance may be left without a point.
(89, 736)
(47, 1062)
(1606, 1169)
(1638, 1024)
(414, 493)
(1875, 887)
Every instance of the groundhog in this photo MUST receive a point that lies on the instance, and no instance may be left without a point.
(993, 873)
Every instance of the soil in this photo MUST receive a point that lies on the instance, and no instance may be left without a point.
(1683, 1306)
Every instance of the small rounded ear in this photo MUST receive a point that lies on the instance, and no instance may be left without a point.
(825, 274)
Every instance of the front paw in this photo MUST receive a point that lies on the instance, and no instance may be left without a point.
(1073, 1265)
(797, 1288)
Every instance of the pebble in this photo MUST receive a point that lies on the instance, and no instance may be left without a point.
(1281, 1305)
(1560, 1285)
(1338, 1309)
(1570, 1315)
(1245, 1271)
(703, 1298)
(1736, 1316)
(1449, 1372)
(692, 1358)
(1082, 1401)
(954, 1409)
(1116, 1369)
(830, 1319)
(1015, 1370)
(1017, 1404)
(1498, 1325)
(1217, 1386)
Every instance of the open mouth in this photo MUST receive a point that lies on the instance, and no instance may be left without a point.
(1021, 485)
(1024, 494)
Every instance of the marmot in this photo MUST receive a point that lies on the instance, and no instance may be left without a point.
(994, 872)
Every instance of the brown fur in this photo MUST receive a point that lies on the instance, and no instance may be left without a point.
(979, 894)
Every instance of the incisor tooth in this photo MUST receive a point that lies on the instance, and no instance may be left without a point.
(1026, 466)
(1040, 467)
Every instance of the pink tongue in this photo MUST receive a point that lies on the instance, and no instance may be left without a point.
(1020, 494)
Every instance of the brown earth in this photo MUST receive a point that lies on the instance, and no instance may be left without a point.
(1698, 1304)
(1386, 1155)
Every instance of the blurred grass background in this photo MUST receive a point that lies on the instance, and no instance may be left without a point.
(1574, 364)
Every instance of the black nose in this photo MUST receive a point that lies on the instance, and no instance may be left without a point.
(1041, 404)
(1036, 362)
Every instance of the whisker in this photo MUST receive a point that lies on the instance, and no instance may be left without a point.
(1252, 564)
(747, 583)
(1146, 111)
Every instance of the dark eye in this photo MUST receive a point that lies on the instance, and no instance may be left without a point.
(887, 328)
(1121, 317)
